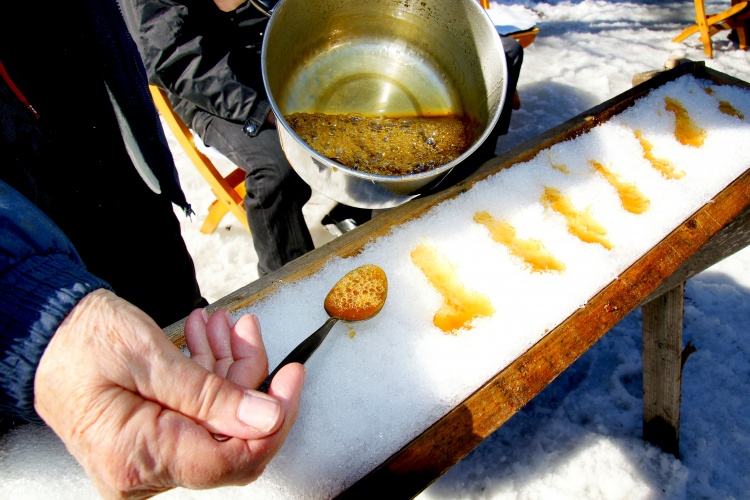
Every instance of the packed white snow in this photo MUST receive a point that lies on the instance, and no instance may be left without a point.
(580, 438)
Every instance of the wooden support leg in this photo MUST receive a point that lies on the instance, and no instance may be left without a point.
(742, 37)
(662, 369)
(216, 212)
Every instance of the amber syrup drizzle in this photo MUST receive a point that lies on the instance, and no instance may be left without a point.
(661, 165)
(460, 305)
(630, 196)
(531, 251)
(725, 107)
(581, 224)
(686, 131)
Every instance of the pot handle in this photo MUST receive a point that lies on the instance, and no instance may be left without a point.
(265, 6)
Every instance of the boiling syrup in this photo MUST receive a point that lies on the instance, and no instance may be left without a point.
(385, 145)
(359, 295)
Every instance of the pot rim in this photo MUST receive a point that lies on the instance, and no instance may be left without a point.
(423, 177)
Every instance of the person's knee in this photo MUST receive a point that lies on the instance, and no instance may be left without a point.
(513, 55)
(273, 182)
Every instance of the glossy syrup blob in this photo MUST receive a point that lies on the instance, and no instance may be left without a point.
(359, 295)
(630, 196)
(581, 223)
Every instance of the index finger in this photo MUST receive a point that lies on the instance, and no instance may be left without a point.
(250, 366)
(197, 339)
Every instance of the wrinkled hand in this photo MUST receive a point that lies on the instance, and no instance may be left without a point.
(139, 415)
(228, 5)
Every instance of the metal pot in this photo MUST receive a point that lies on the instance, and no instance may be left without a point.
(380, 57)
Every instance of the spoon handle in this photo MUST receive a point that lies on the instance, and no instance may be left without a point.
(302, 352)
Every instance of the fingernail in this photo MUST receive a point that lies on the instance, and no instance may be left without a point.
(258, 412)
(230, 318)
(257, 322)
(205, 315)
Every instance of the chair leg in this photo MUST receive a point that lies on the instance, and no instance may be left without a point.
(742, 37)
(229, 190)
(705, 38)
(686, 33)
(216, 211)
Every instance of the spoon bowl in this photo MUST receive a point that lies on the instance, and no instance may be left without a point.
(358, 296)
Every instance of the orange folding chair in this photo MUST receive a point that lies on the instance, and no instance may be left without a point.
(525, 38)
(736, 17)
(229, 190)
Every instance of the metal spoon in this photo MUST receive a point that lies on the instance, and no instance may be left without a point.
(358, 296)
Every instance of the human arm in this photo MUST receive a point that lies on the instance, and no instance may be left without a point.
(132, 409)
(151, 412)
(41, 279)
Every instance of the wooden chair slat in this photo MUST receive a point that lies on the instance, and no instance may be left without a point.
(229, 190)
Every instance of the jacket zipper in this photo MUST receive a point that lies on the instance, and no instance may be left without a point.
(17, 91)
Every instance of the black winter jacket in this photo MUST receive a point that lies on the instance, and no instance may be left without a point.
(206, 59)
(78, 56)
(76, 64)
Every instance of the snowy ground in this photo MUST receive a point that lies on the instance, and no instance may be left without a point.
(580, 438)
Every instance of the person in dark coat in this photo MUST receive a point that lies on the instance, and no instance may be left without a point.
(208, 61)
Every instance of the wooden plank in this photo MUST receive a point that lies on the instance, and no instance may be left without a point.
(734, 237)
(662, 369)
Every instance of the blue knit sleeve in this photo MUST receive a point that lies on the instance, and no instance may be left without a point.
(41, 279)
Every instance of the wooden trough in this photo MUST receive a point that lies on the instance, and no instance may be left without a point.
(656, 280)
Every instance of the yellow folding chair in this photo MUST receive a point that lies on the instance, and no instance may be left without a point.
(229, 190)
(736, 17)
